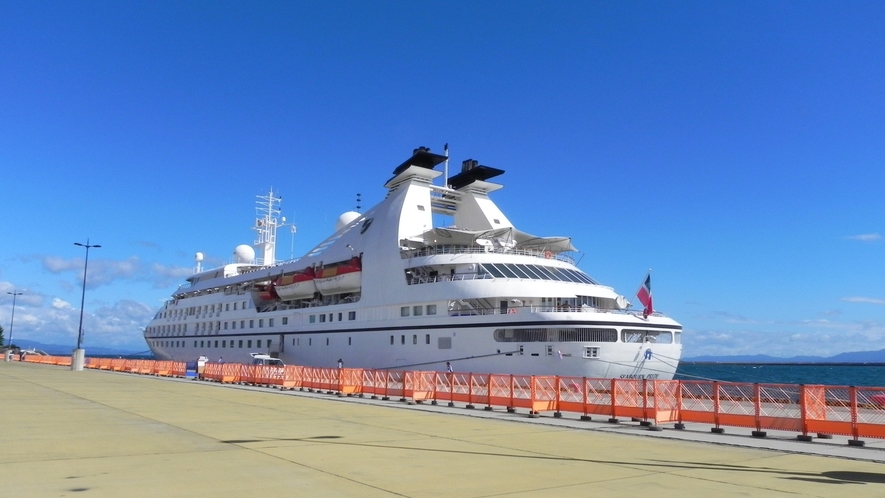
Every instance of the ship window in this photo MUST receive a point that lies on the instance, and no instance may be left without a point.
(323, 318)
(339, 316)
(249, 344)
(431, 309)
(235, 306)
(327, 341)
(310, 341)
(331, 317)
(591, 352)
(227, 307)
(404, 311)
(224, 344)
(493, 270)
(216, 344)
(240, 343)
(527, 269)
(259, 343)
(261, 323)
(420, 207)
(242, 324)
(417, 310)
(545, 273)
(518, 271)
(505, 269)
(201, 344)
(233, 325)
(678, 337)
(195, 343)
(391, 340)
(351, 315)
(251, 324)
(415, 339)
(270, 322)
(225, 325)
(426, 338)
(285, 320)
(402, 339)
(313, 319)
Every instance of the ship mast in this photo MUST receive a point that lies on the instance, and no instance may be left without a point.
(266, 225)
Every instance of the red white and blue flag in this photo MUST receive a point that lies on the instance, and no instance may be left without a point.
(644, 295)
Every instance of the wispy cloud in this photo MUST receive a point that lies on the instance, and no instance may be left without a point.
(865, 237)
(869, 300)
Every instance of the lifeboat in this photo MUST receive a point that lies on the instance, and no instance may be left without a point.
(340, 278)
(299, 285)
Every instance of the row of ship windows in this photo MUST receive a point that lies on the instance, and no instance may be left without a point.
(208, 327)
(537, 272)
(239, 343)
(208, 344)
(587, 334)
(206, 308)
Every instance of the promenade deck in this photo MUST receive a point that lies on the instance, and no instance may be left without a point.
(100, 433)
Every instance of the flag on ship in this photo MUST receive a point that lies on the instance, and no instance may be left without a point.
(644, 295)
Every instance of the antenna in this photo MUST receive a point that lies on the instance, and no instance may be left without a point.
(446, 168)
(266, 225)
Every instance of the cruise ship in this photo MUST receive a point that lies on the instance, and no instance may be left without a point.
(389, 289)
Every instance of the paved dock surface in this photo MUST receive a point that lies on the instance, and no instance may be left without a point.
(95, 433)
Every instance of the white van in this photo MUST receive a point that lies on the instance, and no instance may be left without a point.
(265, 359)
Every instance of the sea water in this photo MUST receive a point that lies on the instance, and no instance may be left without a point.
(797, 373)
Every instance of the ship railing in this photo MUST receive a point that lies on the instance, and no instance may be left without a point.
(433, 250)
(457, 277)
(543, 309)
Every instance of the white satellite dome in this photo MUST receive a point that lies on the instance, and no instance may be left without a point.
(244, 254)
(198, 257)
(346, 219)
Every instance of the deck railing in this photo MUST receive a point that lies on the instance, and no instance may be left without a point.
(825, 410)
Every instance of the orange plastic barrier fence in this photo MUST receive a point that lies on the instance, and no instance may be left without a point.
(837, 410)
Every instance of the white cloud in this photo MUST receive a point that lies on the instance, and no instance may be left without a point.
(865, 237)
(60, 304)
(115, 326)
(870, 300)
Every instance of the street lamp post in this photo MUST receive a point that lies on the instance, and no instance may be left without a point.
(79, 356)
(14, 294)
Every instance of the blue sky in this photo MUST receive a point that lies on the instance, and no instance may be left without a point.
(736, 148)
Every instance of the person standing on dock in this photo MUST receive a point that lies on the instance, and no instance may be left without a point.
(449, 368)
(220, 359)
(340, 363)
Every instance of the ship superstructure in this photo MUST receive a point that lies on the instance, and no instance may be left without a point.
(389, 290)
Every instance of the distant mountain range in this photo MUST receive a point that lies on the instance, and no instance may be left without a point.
(62, 350)
(850, 357)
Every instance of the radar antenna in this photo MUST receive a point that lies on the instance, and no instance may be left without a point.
(266, 225)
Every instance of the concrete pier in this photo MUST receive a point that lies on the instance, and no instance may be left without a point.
(98, 433)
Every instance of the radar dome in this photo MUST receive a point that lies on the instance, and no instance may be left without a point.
(198, 256)
(346, 219)
(244, 254)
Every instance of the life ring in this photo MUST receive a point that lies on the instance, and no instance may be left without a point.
(548, 254)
